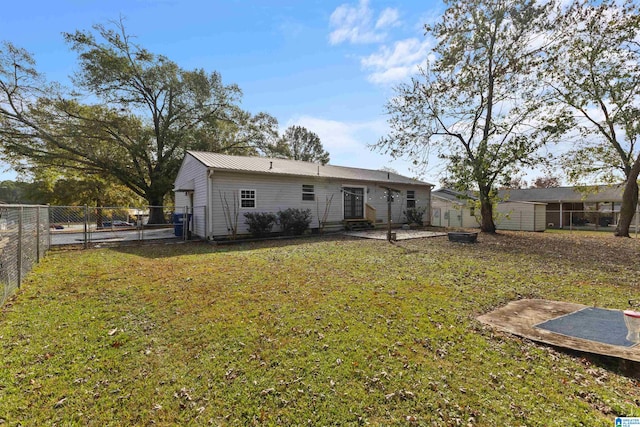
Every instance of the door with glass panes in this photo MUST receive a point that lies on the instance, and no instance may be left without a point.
(353, 202)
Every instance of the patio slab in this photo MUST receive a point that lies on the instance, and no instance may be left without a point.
(521, 317)
(400, 234)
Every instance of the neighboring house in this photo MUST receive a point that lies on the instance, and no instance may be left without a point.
(219, 188)
(451, 208)
(573, 205)
(454, 209)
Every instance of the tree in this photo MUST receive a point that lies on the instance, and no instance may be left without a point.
(546, 181)
(515, 183)
(594, 71)
(299, 143)
(476, 105)
(147, 113)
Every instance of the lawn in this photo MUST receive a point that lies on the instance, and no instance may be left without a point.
(323, 331)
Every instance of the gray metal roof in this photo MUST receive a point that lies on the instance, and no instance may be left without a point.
(592, 194)
(453, 196)
(277, 166)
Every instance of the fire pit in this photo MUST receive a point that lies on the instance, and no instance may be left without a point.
(463, 236)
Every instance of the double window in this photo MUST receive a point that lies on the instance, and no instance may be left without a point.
(308, 192)
(411, 198)
(247, 198)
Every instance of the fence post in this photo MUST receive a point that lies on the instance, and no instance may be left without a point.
(38, 234)
(86, 226)
(21, 213)
(571, 221)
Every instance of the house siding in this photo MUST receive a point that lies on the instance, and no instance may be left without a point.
(274, 193)
(193, 174)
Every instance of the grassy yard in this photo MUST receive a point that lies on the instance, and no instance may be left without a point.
(333, 331)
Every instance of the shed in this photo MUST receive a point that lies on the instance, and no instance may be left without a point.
(218, 189)
(455, 209)
(521, 216)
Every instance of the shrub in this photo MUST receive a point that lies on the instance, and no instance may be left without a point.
(414, 215)
(294, 221)
(260, 223)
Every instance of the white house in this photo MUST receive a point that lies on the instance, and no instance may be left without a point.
(218, 189)
(454, 209)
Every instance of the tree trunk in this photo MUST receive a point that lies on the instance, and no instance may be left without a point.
(486, 212)
(156, 211)
(629, 201)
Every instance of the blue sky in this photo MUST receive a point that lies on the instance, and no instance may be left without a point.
(327, 65)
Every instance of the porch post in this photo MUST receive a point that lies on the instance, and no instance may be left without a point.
(561, 224)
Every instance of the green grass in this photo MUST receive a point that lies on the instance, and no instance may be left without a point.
(328, 331)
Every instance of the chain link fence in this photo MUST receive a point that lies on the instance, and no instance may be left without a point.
(588, 220)
(87, 226)
(24, 239)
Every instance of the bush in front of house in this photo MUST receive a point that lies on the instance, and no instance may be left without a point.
(294, 221)
(260, 223)
(414, 215)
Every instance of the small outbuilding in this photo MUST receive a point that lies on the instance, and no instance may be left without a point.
(454, 209)
(217, 189)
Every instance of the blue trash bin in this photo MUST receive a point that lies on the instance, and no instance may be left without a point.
(178, 223)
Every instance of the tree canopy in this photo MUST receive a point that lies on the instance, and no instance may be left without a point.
(594, 71)
(477, 104)
(130, 117)
(299, 143)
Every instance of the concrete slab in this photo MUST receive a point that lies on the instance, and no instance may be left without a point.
(520, 317)
(400, 234)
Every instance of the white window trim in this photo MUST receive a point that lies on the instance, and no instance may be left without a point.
(414, 198)
(255, 198)
(309, 192)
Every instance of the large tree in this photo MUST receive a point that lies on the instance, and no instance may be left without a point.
(594, 70)
(299, 143)
(477, 104)
(145, 112)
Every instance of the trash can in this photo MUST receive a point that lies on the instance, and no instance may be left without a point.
(178, 223)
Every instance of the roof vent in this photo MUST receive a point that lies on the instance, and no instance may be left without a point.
(270, 165)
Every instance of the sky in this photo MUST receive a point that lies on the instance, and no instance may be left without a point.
(329, 66)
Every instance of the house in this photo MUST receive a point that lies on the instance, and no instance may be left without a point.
(454, 209)
(569, 206)
(218, 189)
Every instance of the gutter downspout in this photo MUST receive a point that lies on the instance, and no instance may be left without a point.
(208, 215)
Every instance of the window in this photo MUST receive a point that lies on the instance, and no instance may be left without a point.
(247, 198)
(411, 198)
(308, 192)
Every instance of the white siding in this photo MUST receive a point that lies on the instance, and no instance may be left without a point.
(520, 216)
(446, 213)
(193, 174)
(274, 193)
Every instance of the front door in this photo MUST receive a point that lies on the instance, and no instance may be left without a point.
(353, 202)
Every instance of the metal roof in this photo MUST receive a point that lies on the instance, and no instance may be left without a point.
(592, 194)
(453, 196)
(278, 166)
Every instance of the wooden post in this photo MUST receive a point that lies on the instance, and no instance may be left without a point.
(389, 200)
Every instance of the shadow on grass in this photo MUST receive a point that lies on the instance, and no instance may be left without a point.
(158, 250)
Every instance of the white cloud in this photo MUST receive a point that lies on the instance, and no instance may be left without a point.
(341, 137)
(393, 64)
(355, 23)
(348, 143)
(388, 18)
